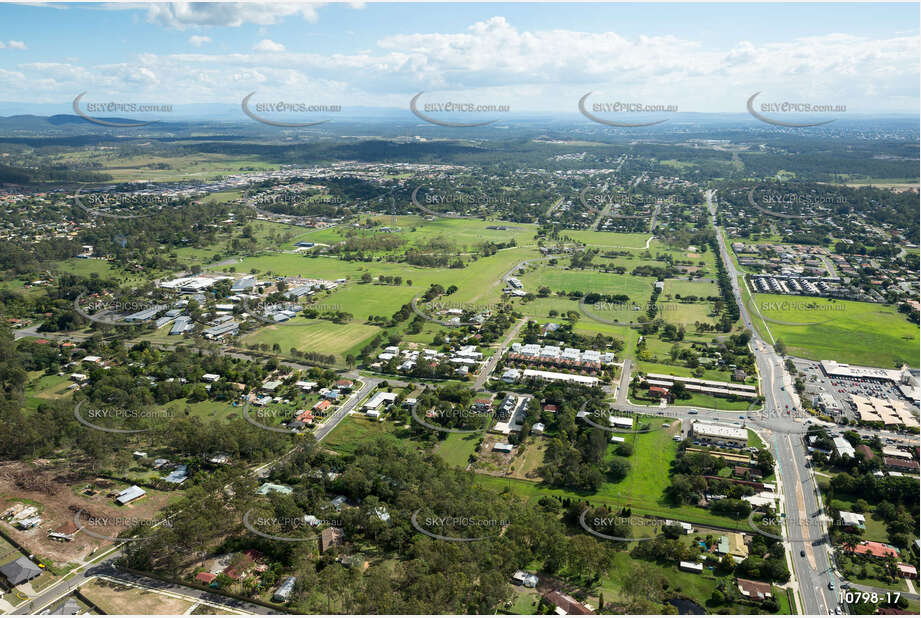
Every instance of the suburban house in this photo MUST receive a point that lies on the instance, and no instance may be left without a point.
(877, 550)
(908, 465)
(523, 578)
(754, 590)
(267, 488)
(330, 537)
(20, 571)
(205, 577)
(283, 592)
(565, 604)
(854, 521)
(691, 567)
(129, 495)
(379, 399)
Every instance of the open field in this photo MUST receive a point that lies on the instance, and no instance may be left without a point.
(457, 448)
(115, 598)
(355, 430)
(43, 388)
(608, 239)
(56, 489)
(686, 288)
(859, 333)
(642, 489)
(561, 278)
(314, 336)
(196, 166)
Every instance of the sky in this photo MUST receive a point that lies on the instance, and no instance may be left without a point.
(531, 57)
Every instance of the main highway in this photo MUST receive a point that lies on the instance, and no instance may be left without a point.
(780, 423)
(805, 534)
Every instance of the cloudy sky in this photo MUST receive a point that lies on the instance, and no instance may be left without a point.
(703, 58)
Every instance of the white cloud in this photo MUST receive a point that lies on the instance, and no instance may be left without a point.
(268, 45)
(494, 61)
(14, 45)
(181, 15)
(198, 41)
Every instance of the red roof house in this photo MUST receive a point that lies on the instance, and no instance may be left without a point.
(877, 550)
(205, 577)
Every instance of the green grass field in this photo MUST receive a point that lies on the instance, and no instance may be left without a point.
(457, 448)
(685, 288)
(642, 489)
(860, 333)
(314, 336)
(560, 278)
(608, 239)
(43, 388)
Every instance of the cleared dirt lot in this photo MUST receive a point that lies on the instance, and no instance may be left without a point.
(115, 598)
(56, 489)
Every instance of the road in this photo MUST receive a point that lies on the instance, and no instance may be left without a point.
(778, 422)
(805, 529)
(490, 365)
(108, 570)
(369, 384)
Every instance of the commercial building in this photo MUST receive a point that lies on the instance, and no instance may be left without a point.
(552, 376)
(843, 448)
(890, 413)
(379, 399)
(709, 387)
(720, 435)
(218, 332)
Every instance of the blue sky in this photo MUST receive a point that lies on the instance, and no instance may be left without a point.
(535, 57)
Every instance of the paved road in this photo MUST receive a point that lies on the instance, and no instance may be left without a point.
(369, 385)
(490, 365)
(805, 529)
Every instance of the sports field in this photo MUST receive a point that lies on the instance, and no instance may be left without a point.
(560, 278)
(319, 336)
